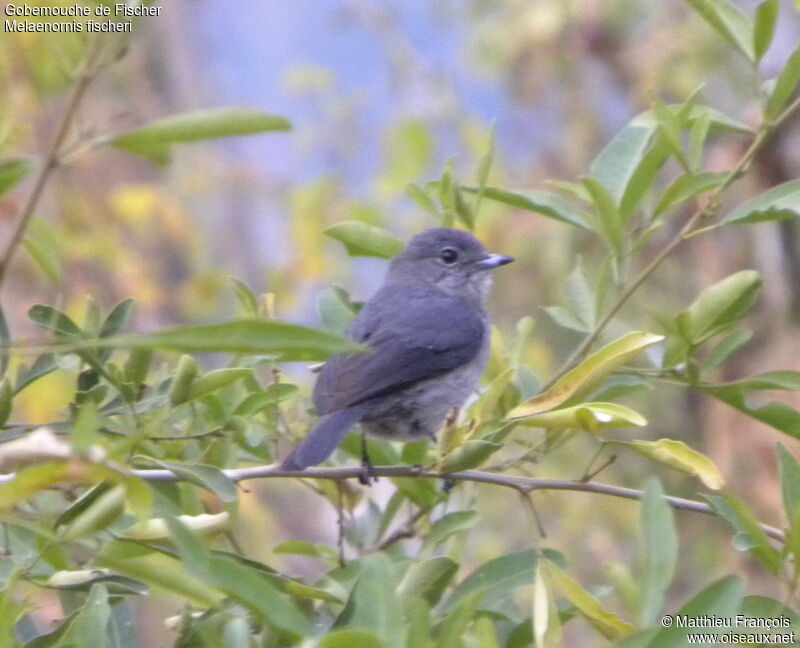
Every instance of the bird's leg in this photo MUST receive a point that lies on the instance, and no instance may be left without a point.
(368, 475)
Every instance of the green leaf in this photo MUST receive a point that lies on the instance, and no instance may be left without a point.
(246, 297)
(455, 624)
(728, 21)
(778, 415)
(749, 534)
(606, 623)
(567, 319)
(688, 187)
(490, 404)
(468, 455)
(589, 374)
(82, 581)
(659, 551)
(695, 113)
(785, 379)
(790, 481)
(591, 417)
(421, 197)
(271, 396)
(202, 475)
(618, 161)
(785, 85)
(336, 309)
(350, 639)
(764, 26)
(540, 202)
(13, 171)
(779, 203)
(40, 242)
(154, 140)
(501, 574)
(720, 600)
(247, 586)
(485, 167)
(418, 614)
(580, 297)
(287, 585)
(6, 400)
(5, 339)
(721, 306)
(157, 531)
(361, 239)
(725, 348)
(670, 125)
(216, 380)
(427, 579)
(96, 516)
(547, 630)
(697, 140)
(450, 524)
(676, 454)
(157, 570)
(54, 320)
(289, 342)
(373, 604)
(86, 627)
(610, 220)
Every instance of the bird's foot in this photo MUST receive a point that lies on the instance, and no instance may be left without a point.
(368, 475)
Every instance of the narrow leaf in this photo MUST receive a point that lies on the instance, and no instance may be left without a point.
(658, 555)
(728, 21)
(678, 455)
(288, 341)
(721, 306)
(541, 202)
(785, 85)
(779, 203)
(591, 417)
(13, 170)
(606, 623)
(40, 242)
(790, 481)
(153, 140)
(688, 187)
(764, 27)
(589, 374)
(361, 239)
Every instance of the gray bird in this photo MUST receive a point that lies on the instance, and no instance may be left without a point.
(428, 332)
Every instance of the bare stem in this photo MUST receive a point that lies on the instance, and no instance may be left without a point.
(88, 72)
(519, 484)
(689, 228)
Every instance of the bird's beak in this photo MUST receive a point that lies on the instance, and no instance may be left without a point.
(494, 261)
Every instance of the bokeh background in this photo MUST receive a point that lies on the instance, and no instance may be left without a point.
(381, 94)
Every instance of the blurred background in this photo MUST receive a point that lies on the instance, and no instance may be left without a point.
(382, 94)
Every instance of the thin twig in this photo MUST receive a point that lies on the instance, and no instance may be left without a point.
(528, 484)
(405, 531)
(86, 75)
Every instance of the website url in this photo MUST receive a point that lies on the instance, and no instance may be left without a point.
(755, 638)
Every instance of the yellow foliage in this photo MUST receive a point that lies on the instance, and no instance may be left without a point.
(45, 399)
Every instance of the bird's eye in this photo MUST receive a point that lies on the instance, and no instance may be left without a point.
(449, 255)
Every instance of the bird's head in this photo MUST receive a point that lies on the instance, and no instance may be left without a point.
(453, 261)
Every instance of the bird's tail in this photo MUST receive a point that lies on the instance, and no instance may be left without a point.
(323, 439)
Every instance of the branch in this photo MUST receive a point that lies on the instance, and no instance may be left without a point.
(688, 229)
(520, 484)
(88, 72)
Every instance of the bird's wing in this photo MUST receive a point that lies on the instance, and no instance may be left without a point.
(412, 338)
